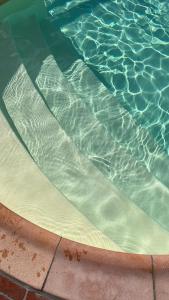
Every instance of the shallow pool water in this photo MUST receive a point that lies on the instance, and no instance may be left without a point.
(84, 100)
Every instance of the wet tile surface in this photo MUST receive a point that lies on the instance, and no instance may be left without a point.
(26, 251)
(78, 272)
(161, 276)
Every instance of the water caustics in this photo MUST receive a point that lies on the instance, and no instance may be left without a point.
(74, 112)
(72, 174)
(62, 5)
(127, 43)
(23, 186)
(103, 171)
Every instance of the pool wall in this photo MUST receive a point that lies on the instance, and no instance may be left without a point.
(42, 262)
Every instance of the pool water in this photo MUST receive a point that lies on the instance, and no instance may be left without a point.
(127, 43)
(84, 104)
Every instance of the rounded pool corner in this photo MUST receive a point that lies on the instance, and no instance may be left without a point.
(47, 265)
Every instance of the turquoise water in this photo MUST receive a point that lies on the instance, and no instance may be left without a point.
(128, 155)
(85, 92)
(127, 43)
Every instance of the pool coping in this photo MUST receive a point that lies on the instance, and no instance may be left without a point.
(66, 269)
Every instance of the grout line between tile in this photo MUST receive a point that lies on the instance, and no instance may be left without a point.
(26, 293)
(153, 279)
(51, 264)
(6, 296)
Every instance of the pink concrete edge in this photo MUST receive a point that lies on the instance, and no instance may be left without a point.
(88, 273)
(72, 253)
(26, 250)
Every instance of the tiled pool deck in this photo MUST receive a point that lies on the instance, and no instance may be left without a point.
(37, 264)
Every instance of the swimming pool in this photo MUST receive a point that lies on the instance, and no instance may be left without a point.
(84, 120)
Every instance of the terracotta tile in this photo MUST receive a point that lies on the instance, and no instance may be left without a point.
(85, 273)
(161, 276)
(2, 297)
(11, 289)
(26, 251)
(36, 296)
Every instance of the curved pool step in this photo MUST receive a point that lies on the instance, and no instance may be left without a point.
(112, 158)
(53, 151)
(27, 192)
(118, 122)
(73, 110)
(127, 45)
(137, 140)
